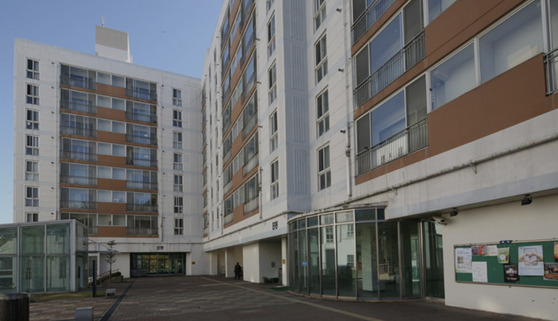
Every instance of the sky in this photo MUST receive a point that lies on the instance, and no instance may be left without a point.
(171, 35)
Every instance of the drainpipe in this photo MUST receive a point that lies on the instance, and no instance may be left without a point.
(347, 100)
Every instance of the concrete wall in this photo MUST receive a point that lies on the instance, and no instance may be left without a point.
(509, 221)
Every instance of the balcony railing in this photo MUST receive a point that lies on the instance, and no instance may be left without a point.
(141, 207)
(78, 180)
(406, 141)
(78, 204)
(141, 185)
(142, 231)
(148, 118)
(373, 12)
(78, 81)
(78, 106)
(141, 94)
(78, 155)
(402, 61)
(248, 127)
(78, 131)
(551, 65)
(140, 139)
(251, 205)
(250, 164)
(228, 218)
(141, 162)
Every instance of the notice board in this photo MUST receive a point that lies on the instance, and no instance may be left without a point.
(521, 263)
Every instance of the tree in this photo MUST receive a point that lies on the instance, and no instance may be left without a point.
(111, 256)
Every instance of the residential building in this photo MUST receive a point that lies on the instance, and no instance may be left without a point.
(113, 145)
(454, 157)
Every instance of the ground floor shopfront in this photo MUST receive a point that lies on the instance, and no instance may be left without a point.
(358, 254)
(152, 264)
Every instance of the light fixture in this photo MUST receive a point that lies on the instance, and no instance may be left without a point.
(454, 212)
(527, 199)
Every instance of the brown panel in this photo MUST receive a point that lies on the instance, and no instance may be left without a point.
(109, 160)
(460, 22)
(509, 99)
(109, 90)
(111, 208)
(111, 184)
(376, 26)
(111, 231)
(110, 137)
(109, 113)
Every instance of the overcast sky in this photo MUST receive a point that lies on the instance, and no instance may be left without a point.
(171, 35)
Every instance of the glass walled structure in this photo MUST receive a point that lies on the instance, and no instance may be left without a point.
(357, 253)
(43, 257)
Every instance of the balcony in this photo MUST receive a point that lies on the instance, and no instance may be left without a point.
(78, 156)
(141, 94)
(402, 61)
(406, 141)
(78, 180)
(78, 106)
(251, 205)
(141, 162)
(78, 81)
(141, 185)
(148, 118)
(373, 12)
(85, 205)
(142, 231)
(250, 165)
(141, 139)
(551, 66)
(249, 126)
(78, 131)
(141, 208)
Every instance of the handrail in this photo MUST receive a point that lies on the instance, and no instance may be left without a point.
(551, 67)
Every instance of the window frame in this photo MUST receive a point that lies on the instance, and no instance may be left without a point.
(322, 114)
(177, 118)
(272, 78)
(324, 167)
(320, 51)
(31, 196)
(32, 94)
(33, 72)
(32, 145)
(178, 226)
(177, 97)
(273, 132)
(319, 13)
(178, 205)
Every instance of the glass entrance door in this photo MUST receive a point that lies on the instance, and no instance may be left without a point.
(410, 259)
(433, 260)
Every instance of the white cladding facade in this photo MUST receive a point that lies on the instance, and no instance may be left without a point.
(115, 146)
(301, 72)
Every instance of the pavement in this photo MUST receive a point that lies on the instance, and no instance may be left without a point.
(216, 298)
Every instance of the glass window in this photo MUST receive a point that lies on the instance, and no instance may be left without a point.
(453, 77)
(32, 119)
(274, 179)
(271, 36)
(177, 97)
(320, 13)
(274, 140)
(32, 240)
(31, 171)
(346, 260)
(384, 46)
(324, 172)
(328, 260)
(32, 196)
(436, 7)
(177, 118)
(178, 204)
(58, 239)
(388, 119)
(177, 161)
(322, 109)
(321, 58)
(32, 69)
(178, 183)
(512, 42)
(178, 226)
(32, 96)
(8, 245)
(272, 73)
(177, 140)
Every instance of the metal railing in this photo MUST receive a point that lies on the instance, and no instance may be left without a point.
(551, 67)
(78, 180)
(148, 118)
(79, 81)
(141, 185)
(142, 231)
(141, 162)
(78, 204)
(402, 61)
(78, 106)
(78, 155)
(141, 207)
(406, 141)
(251, 205)
(250, 165)
(140, 139)
(373, 12)
(78, 131)
(249, 126)
(141, 94)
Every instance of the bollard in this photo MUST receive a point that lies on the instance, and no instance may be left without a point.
(83, 314)
(14, 307)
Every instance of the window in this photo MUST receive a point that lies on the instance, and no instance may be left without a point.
(269, 4)
(322, 113)
(32, 145)
(32, 94)
(321, 58)
(177, 163)
(271, 36)
(177, 97)
(324, 172)
(178, 204)
(32, 69)
(178, 226)
(177, 118)
(320, 13)
(32, 196)
(178, 183)
(272, 73)
(177, 140)
(274, 140)
(453, 77)
(32, 119)
(32, 217)
(436, 7)
(31, 171)
(274, 180)
(512, 42)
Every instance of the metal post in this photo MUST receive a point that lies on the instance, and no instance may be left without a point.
(94, 278)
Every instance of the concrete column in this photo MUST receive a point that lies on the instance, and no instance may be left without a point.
(229, 262)
(251, 263)
(284, 251)
(213, 263)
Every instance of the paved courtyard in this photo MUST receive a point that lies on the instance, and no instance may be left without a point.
(217, 298)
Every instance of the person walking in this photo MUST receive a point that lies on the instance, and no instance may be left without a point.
(237, 271)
